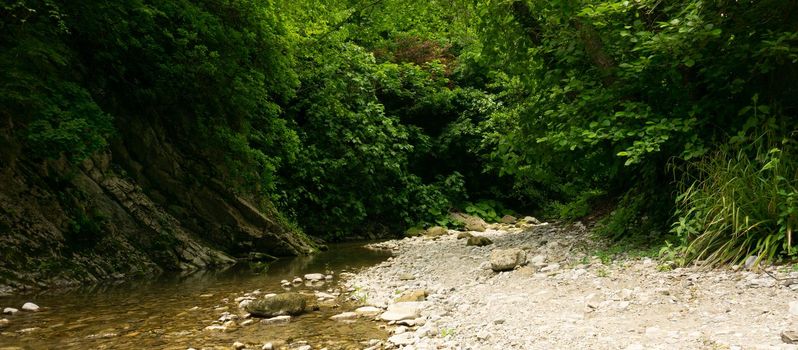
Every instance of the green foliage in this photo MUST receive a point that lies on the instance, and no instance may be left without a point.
(739, 201)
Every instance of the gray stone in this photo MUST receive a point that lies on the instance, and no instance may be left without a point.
(506, 259)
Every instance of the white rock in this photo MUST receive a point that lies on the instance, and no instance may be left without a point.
(276, 320)
(314, 277)
(403, 339)
(538, 260)
(216, 327)
(10, 310)
(400, 330)
(297, 281)
(328, 277)
(238, 345)
(344, 316)
(368, 311)
(4, 322)
(267, 346)
(304, 347)
(794, 308)
(30, 307)
(506, 259)
(402, 311)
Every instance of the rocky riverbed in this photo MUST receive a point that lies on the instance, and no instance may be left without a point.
(440, 293)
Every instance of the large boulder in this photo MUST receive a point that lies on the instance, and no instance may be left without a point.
(436, 231)
(478, 241)
(471, 222)
(506, 259)
(508, 219)
(282, 304)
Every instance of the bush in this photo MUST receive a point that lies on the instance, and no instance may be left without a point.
(738, 202)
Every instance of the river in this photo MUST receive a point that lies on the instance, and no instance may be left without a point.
(172, 311)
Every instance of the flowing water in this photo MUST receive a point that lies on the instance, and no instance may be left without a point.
(171, 312)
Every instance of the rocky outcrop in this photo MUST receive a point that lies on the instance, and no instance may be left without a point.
(141, 208)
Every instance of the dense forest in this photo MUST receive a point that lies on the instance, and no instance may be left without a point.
(669, 122)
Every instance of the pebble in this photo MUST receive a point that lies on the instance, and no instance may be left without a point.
(10, 311)
(238, 345)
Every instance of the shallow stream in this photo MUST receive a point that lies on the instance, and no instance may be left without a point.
(171, 312)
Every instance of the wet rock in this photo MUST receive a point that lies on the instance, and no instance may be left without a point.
(402, 311)
(296, 281)
(368, 311)
(216, 327)
(478, 241)
(276, 320)
(470, 222)
(436, 231)
(282, 304)
(314, 277)
(30, 307)
(508, 219)
(506, 259)
(344, 316)
(10, 311)
(413, 295)
(463, 235)
(789, 337)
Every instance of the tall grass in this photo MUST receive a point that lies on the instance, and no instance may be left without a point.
(738, 202)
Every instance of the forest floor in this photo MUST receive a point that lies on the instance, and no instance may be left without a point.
(565, 296)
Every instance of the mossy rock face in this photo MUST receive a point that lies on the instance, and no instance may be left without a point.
(462, 235)
(282, 304)
(436, 231)
(478, 241)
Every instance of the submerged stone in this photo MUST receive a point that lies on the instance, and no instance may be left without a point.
(282, 304)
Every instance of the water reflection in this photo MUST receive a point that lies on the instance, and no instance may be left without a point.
(172, 310)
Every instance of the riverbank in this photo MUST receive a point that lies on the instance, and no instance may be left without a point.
(564, 297)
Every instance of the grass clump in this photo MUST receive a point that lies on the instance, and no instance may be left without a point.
(738, 202)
